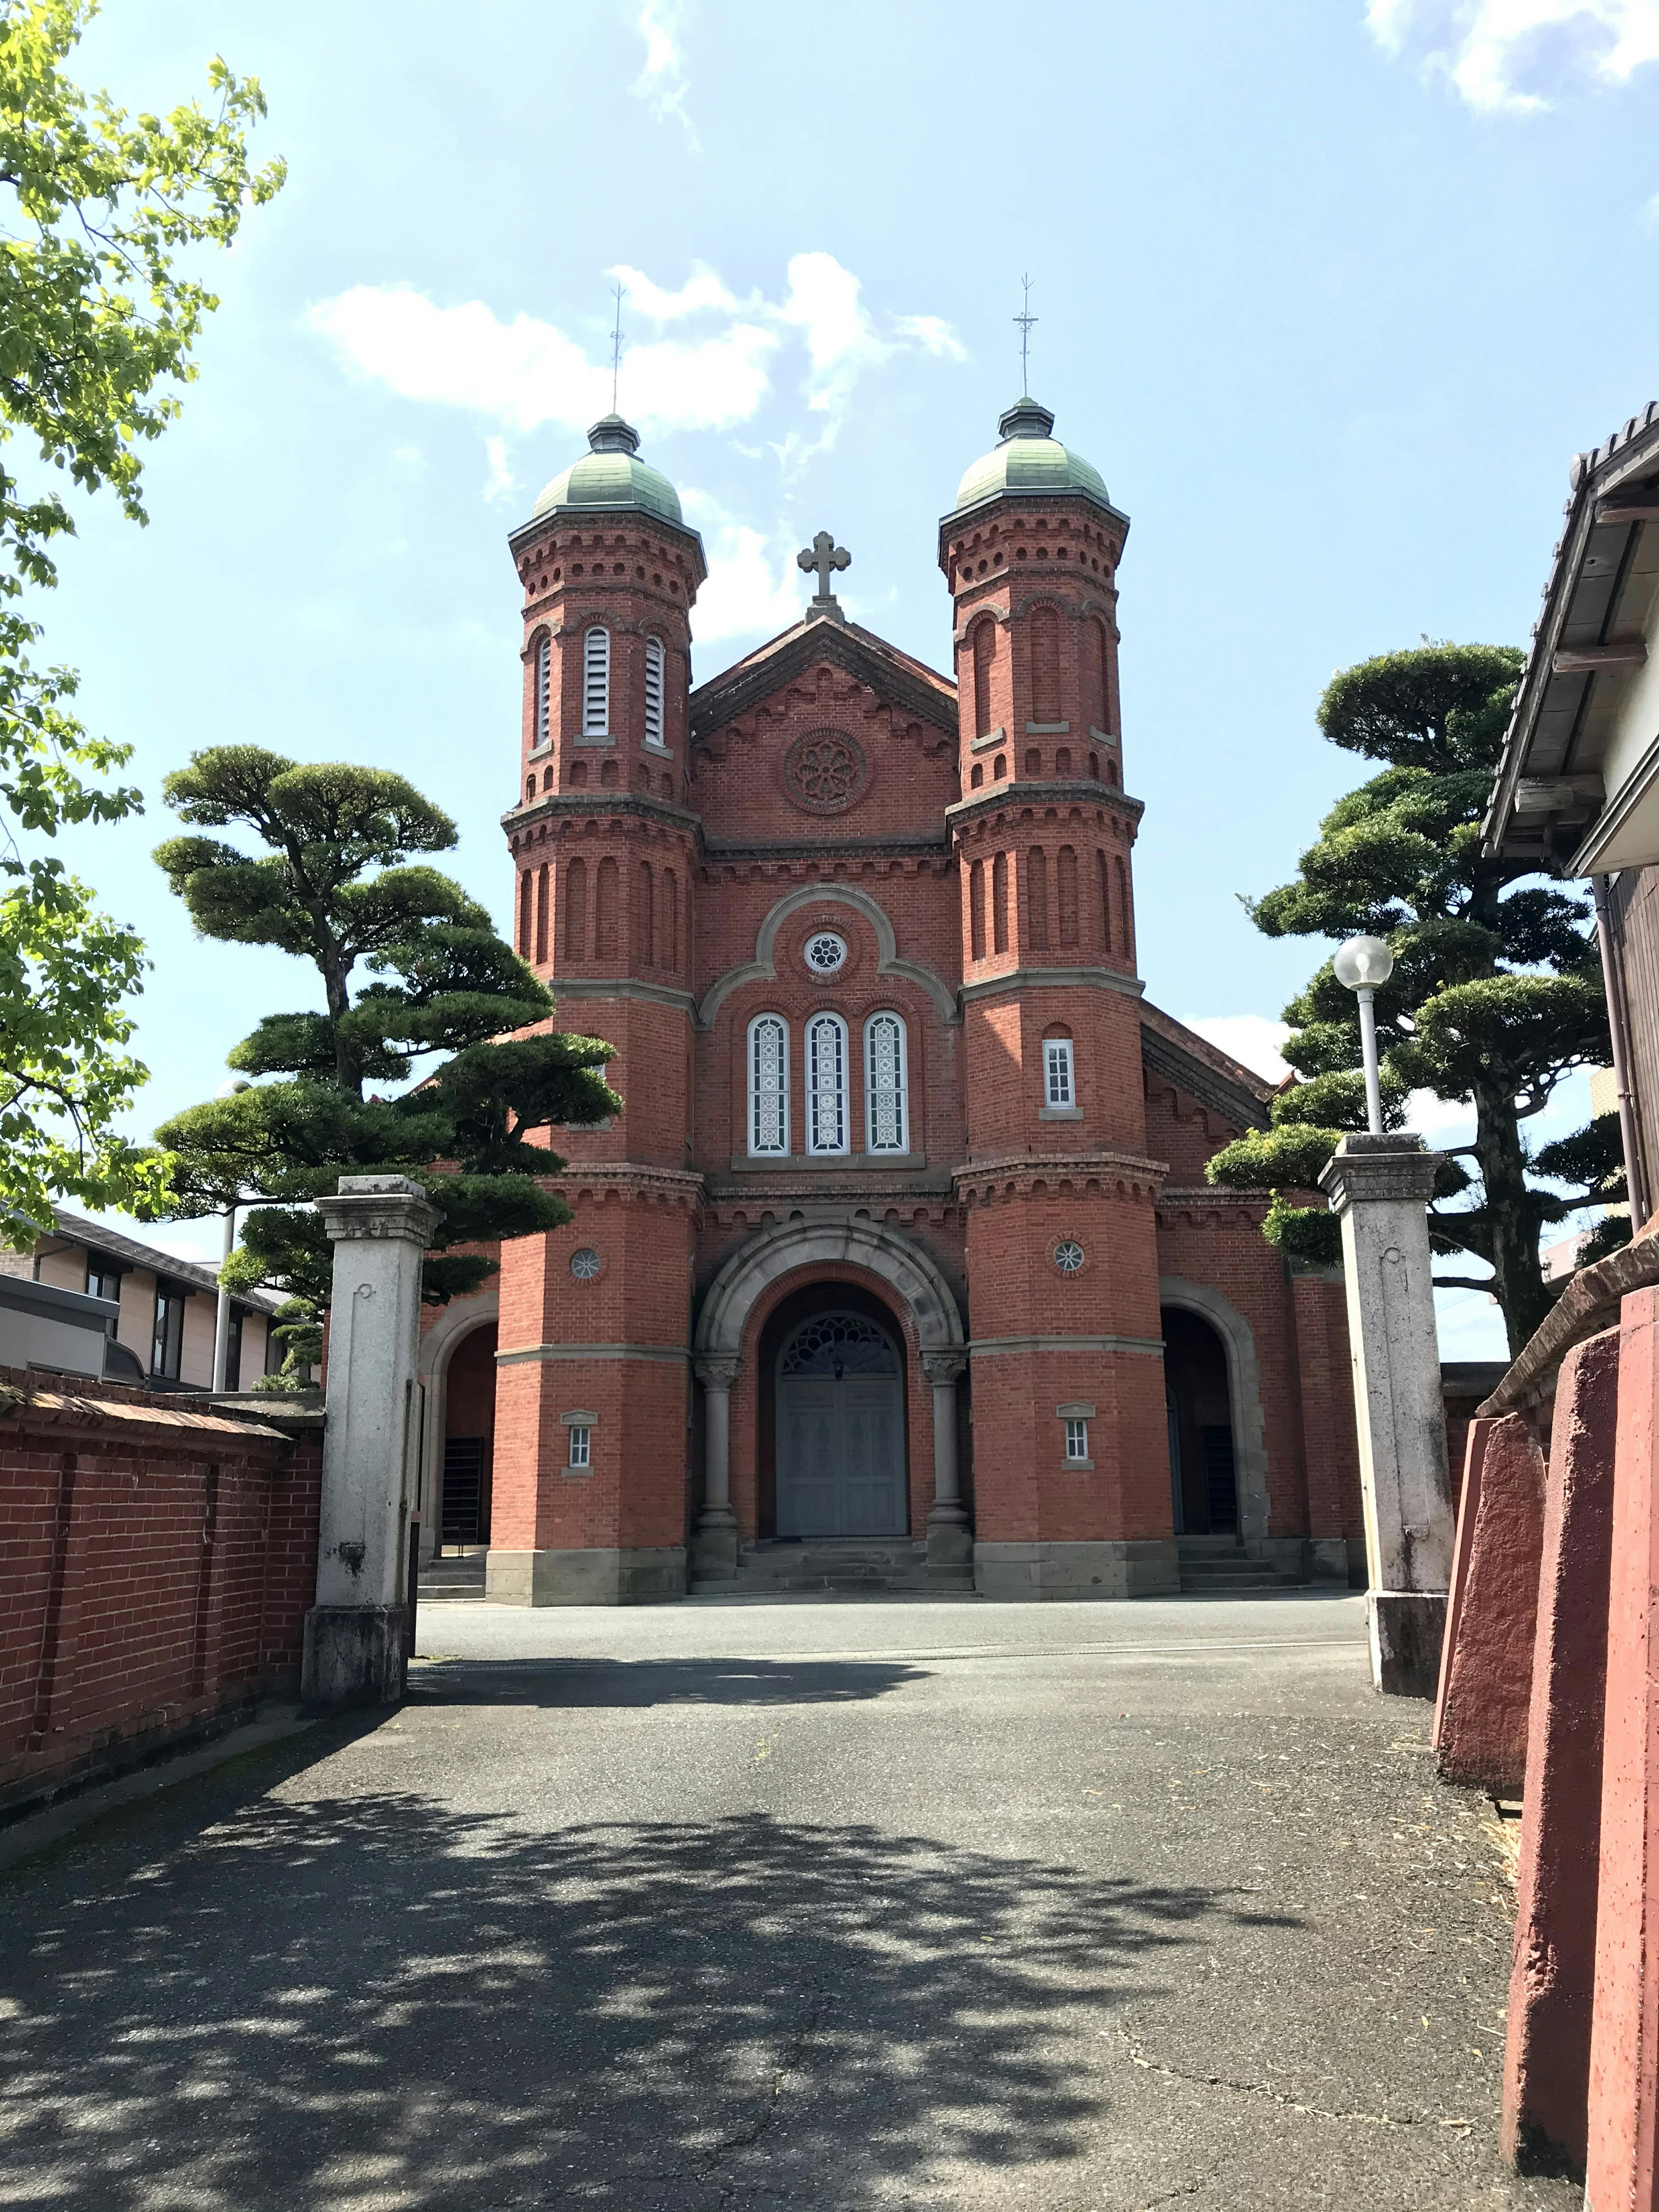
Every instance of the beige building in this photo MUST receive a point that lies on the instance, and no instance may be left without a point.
(168, 1307)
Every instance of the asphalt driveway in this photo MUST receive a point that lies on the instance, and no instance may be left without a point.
(732, 1907)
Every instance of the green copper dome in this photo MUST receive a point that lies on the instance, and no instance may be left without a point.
(1029, 461)
(611, 476)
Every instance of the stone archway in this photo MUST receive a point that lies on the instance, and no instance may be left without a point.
(796, 1247)
(1244, 1397)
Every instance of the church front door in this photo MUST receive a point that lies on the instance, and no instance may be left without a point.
(841, 1430)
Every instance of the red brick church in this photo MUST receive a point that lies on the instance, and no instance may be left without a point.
(898, 1264)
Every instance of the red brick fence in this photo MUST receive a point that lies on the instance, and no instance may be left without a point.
(157, 1556)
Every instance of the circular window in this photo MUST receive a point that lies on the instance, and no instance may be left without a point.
(1068, 1255)
(825, 771)
(584, 1264)
(825, 952)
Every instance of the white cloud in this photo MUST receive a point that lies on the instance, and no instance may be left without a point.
(1649, 213)
(500, 483)
(754, 588)
(1489, 49)
(933, 333)
(662, 82)
(702, 290)
(1251, 1038)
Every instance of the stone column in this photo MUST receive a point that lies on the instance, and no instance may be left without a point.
(714, 1541)
(950, 1540)
(1379, 1189)
(353, 1635)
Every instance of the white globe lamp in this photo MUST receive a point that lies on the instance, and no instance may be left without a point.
(1364, 964)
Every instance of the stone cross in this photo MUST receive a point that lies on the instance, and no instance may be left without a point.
(824, 556)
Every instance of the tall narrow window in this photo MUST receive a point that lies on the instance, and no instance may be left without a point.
(1045, 664)
(1037, 900)
(985, 654)
(768, 1085)
(826, 1083)
(1058, 1088)
(648, 929)
(1104, 888)
(1126, 930)
(544, 686)
(653, 692)
(886, 1107)
(596, 683)
(999, 902)
(575, 911)
(1102, 674)
(167, 1344)
(1066, 893)
(976, 910)
(541, 912)
(525, 895)
(671, 922)
(604, 911)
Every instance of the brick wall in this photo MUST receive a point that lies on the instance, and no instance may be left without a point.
(157, 1562)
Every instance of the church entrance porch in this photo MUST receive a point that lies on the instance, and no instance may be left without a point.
(839, 1457)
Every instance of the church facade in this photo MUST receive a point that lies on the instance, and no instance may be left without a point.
(898, 1261)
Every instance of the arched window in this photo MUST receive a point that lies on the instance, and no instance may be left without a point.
(1105, 890)
(543, 666)
(768, 1085)
(596, 683)
(671, 922)
(999, 902)
(1037, 900)
(578, 776)
(1063, 761)
(604, 911)
(976, 910)
(985, 654)
(1102, 674)
(1045, 664)
(826, 1083)
(647, 916)
(1126, 928)
(529, 788)
(541, 912)
(886, 1085)
(575, 911)
(1000, 769)
(1033, 761)
(977, 777)
(653, 692)
(1065, 890)
(524, 915)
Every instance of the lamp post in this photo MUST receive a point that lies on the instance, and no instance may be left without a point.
(1364, 965)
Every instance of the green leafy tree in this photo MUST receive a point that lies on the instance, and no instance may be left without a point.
(1496, 993)
(412, 970)
(96, 329)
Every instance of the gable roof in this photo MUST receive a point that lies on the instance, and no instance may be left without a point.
(1202, 1070)
(858, 653)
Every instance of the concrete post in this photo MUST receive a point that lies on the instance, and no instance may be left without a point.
(353, 1635)
(950, 1540)
(714, 1541)
(1379, 1188)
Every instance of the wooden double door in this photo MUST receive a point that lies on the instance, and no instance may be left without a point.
(841, 1430)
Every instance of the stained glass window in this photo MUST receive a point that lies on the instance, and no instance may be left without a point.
(768, 1085)
(887, 1109)
(826, 1083)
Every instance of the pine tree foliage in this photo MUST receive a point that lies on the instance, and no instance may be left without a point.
(1496, 993)
(412, 972)
(97, 328)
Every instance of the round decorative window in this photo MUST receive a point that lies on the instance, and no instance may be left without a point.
(825, 952)
(1068, 1255)
(825, 771)
(584, 1264)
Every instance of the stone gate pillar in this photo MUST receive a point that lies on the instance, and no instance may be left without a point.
(714, 1539)
(354, 1634)
(1379, 1188)
(950, 1540)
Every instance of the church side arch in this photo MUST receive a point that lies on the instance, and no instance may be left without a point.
(888, 963)
(1244, 1393)
(455, 1323)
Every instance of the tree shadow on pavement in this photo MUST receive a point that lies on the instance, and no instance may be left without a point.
(611, 1682)
(375, 2000)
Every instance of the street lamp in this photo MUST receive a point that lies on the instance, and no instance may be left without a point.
(1365, 965)
(221, 1320)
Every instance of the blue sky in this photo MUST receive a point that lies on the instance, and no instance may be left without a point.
(1329, 294)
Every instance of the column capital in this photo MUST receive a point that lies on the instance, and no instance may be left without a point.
(384, 1206)
(944, 1367)
(1366, 1168)
(717, 1370)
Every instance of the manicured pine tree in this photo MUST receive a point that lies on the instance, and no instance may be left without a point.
(1496, 993)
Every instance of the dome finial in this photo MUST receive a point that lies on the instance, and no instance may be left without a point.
(611, 434)
(1026, 418)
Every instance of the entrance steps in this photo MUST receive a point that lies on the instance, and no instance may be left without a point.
(851, 1566)
(1219, 1566)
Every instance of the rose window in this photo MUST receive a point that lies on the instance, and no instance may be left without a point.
(584, 1264)
(826, 952)
(1068, 1255)
(825, 771)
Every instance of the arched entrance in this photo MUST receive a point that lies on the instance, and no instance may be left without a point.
(469, 1438)
(838, 1426)
(1203, 1468)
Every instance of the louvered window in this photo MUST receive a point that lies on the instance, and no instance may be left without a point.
(768, 1085)
(886, 1107)
(596, 683)
(653, 692)
(544, 685)
(826, 1083)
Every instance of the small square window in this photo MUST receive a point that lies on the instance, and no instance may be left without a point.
(1077, 1439)
(578, 1451)
(1057, 1070)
